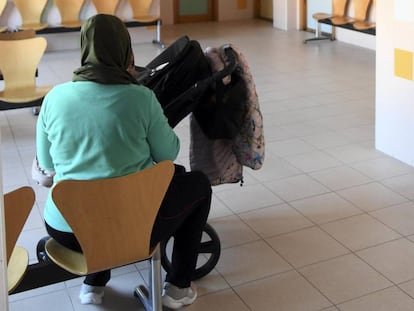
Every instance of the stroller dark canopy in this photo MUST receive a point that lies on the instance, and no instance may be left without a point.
(172, 76)
(182, 79)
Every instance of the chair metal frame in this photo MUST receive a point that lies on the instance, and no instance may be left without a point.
(339, 8)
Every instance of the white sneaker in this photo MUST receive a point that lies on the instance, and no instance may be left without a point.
(91, 294)
(174, 297)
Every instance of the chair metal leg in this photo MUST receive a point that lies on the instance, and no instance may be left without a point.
(157, 39)
(156, 284)
(319, 36)
(151, 299)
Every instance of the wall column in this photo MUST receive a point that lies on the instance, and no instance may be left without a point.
(394, 120)
(285, 14)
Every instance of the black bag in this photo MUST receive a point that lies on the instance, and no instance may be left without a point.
(222, 109)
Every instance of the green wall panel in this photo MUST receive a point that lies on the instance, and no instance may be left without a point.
(193, 7)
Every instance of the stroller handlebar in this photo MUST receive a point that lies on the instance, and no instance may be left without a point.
(231, 63)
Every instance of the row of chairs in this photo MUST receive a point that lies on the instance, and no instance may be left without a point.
(106, 245)
(31, 11)
(339, 17)
(18, 68)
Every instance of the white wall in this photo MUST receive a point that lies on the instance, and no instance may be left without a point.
(280, 14)
(394, 95)
(286, 14)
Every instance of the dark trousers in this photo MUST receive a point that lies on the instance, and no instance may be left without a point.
(183, 215)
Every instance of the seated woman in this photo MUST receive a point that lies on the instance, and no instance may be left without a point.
(103, 124)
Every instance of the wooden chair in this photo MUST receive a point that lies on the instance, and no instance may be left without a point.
(31, 12)
(338, 17)
(2, 7)
(105, 6)
(361, 8)
(141, 14)
(69, 12)
(19, 59)
(112, 220)
(17, 207)
(16, 35)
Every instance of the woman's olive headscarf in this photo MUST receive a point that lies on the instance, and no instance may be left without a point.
(106, 51)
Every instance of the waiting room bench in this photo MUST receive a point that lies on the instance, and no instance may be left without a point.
(358, 22)
(32, 11)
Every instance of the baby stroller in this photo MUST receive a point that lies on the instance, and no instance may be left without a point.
(182, 79)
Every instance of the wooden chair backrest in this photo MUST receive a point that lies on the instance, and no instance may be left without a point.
(30, 10)
(113, 218)
(69, 10)
(361, 8)
(19, 60)
(140, 8)
(2, 5)
(339, 7)
(17, 207)
(105, 6)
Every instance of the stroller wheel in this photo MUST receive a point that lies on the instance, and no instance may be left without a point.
(209, 253)
(40, 249)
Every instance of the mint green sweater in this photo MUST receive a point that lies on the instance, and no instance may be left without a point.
(87, 130)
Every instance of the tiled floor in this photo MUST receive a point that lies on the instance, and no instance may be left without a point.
(326, 224)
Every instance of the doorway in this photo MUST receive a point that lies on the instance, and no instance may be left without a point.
(303, 18)
(263, 9)
(192, 11)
